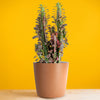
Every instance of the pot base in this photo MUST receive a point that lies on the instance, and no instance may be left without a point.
(51, 96)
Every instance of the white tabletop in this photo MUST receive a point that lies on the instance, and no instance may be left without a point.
(72, 94)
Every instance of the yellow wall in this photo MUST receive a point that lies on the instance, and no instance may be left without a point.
(17, 19)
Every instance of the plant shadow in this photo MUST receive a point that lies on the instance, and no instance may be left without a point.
(24, 93)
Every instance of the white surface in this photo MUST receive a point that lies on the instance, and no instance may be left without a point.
(79, 94)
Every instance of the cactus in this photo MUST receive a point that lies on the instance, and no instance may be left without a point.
(50, 51)
(60, 29)
(41, 34)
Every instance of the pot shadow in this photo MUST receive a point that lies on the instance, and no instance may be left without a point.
(23, 93)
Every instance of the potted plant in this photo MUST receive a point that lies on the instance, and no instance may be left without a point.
(50, 72)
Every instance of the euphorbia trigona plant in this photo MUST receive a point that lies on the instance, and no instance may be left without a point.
(50, 50)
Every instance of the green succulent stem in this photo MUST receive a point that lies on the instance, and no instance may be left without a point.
(43, 25)
(59, 22)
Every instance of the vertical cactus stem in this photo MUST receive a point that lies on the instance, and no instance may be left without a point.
(59, 23)
(55, 47)
(43, 26)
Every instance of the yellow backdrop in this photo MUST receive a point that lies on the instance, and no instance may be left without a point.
(17, 19)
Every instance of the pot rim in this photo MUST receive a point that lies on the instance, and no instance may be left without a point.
(50, 63)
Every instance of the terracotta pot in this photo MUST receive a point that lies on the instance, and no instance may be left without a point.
(51, 79)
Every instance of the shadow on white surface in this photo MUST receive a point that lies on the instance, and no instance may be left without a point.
(24, 93)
